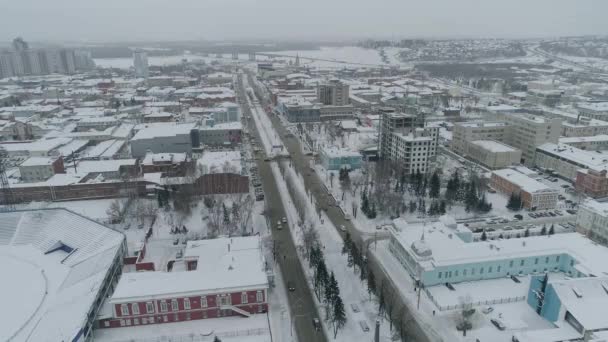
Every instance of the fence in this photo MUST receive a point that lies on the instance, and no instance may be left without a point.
(200, 337)
(474, 304)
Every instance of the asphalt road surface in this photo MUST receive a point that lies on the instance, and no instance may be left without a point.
(313, 183)
(301, 302)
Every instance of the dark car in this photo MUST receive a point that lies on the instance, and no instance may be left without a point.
(316, 323)
(518, 216)
(290, 286)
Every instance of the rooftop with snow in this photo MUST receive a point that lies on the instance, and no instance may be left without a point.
(59, 263)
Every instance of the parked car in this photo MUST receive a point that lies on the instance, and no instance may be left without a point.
(316, 324)
(487, 310)
(364, 326)
(518, 216)
(498, 324)
(355, 307)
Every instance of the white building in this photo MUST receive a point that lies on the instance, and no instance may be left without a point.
(163, 138)
(493, 154)
(38, 169)
(140, 63)
(465, 132)
(58, 268)
(526, 132)
(565, 160)
(592, 220)
(333, 93)
(594, 110)
(403, 139)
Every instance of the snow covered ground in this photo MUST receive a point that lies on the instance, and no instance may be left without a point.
(228, 329)
(352, 290)
(93, 209)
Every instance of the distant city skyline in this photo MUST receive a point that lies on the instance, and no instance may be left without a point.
(313, 20)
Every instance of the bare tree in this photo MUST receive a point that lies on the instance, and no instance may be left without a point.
(114, 212)
(216, 219)
(466, 311)
(310, 238)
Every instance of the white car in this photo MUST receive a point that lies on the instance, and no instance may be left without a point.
(342, 228)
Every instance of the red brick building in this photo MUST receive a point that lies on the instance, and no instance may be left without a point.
(214, 278)
(591, 182)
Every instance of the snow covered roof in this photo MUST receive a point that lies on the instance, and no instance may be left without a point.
(54, 262)
(42, 145)
(152, 158)
(336, 152)
(224, 264)
(586, 299)
(595, 138)
(88, 166)
(164, 130)
(38, 161)
(583, 158)
(220, 162)
(493, 146)
(594, 106)
(449, 250)
(524, 182)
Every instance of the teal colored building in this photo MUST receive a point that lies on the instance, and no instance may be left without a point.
(578, 303)
(334, 158)
(444, 252)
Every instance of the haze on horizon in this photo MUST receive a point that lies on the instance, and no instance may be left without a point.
(156, 20)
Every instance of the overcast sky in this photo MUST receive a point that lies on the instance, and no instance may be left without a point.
(130, 20)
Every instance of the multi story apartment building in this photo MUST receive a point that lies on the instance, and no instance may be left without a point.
(333, 93)
(465, 132)
(526, 132)
(594, 110)
(140, 63)
(405, 140)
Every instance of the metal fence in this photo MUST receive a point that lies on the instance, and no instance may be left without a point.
(200, 337)
(474, 304)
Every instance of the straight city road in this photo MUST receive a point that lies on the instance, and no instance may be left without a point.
(314, 184)
(301, 303)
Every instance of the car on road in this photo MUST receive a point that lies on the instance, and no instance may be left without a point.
(355, 307)
(266, 159)
(316, 324)
(279, 226)
(290, 286)
(364, 326)
(498, 324)
(487, 310)
(518, 216)
(342, 228)
(284, 220)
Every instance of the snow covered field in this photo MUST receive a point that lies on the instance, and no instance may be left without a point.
(93, 209)
(228, 329)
